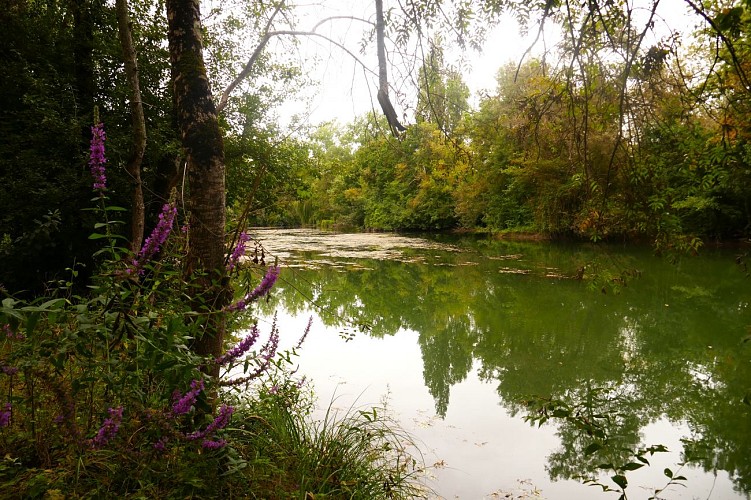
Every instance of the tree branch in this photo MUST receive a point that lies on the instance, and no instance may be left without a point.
(271, 34)
(253, 58)
(333, 18)
(727, 42)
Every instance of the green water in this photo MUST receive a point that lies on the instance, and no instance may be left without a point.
(478, 327)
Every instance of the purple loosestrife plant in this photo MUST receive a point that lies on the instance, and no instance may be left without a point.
(220, 422)
(5, 415)
(183, 404)
(8, 370)
(109, 428)
(96, 158)
(11, 335)
(213, 445)
(263, 288)
(238, 252)
(154, 242)
(305, 333)
(241, 348)
(161, 445)
(268, 351)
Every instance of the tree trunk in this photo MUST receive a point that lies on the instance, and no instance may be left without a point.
(139, 124)
(383, 80)
(204, 150)
(83, 64)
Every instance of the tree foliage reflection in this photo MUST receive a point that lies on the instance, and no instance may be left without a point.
(669, 345)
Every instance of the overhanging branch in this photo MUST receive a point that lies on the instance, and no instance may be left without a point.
(271, 34)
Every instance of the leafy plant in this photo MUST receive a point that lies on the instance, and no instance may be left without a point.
(596, 419)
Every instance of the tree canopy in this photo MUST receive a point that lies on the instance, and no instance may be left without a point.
(622, 130)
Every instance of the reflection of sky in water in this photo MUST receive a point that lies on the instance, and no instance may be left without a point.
(478, 450)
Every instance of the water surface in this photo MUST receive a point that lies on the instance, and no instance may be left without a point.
(458, 333)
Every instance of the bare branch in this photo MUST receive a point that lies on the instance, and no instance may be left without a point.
(253, 58)
(259, 50)
(537, 38)
(333, 18)
(383, 82)
(726, 41)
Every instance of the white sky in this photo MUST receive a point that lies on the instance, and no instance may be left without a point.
(343, 91)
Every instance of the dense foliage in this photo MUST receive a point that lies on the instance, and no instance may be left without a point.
(607, 137)
(102, 395)
(543, 155)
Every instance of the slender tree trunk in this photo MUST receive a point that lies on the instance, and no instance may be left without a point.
(204, 149)
(383, 79)
(139, 124)
(83, 64)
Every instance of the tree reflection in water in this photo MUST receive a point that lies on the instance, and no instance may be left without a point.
(668, 346)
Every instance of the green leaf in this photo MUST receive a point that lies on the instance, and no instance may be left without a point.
(52, 303)
(592, 448)
(31, 323)
(620, 480)
(668, 473)
(632, 466)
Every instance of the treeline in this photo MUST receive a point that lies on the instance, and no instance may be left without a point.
(609, 137)
(549, 152)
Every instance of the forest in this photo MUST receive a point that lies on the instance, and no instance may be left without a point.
(614, 134)
(631, 128)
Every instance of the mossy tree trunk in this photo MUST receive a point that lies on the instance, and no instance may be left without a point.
(204, 151)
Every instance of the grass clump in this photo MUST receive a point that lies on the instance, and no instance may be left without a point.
(353, 453)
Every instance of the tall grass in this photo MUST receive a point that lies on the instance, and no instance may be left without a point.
(353, 453)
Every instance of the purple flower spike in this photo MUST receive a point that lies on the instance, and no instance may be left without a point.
(305, 333)
(8, 370)
(239, 251)
(213, 445)
(5, 415)
(182, 405)
(161, 445)
(154, 242)
(268, 351)
(109, 428)
(240, 349)
(220, 422)
(10, 334)
(263, 288)
(96, 158)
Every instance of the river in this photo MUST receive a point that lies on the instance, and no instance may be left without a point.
(457, 335)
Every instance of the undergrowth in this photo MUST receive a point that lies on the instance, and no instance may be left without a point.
(102, 395)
